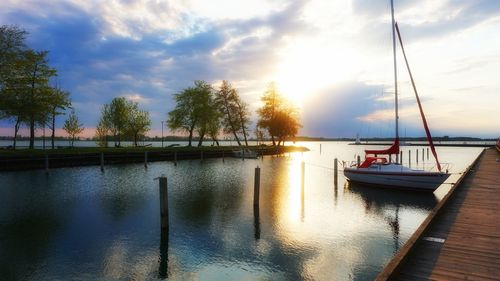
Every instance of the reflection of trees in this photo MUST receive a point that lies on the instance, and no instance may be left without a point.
(30, 216)
(123, 191)
(205, 193)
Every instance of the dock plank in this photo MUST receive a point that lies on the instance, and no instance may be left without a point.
(469, 221)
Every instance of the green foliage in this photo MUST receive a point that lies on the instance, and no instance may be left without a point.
(72, 126)
(235, 114)
(277, 116)
(195, 109)
(138, 123)
(122, 119)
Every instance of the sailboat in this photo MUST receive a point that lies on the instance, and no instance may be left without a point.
(380, 171)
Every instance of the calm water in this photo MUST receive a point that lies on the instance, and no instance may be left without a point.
(81, 224)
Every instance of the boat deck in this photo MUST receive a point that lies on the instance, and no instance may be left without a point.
(462, 239)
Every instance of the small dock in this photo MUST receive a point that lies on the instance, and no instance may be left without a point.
(460, 240)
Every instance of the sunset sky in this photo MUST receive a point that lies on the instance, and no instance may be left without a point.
(332, 58)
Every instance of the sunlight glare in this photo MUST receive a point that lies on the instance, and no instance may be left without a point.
(308, 66)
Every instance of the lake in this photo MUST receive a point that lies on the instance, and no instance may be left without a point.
(82, 224)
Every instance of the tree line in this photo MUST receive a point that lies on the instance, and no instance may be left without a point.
(26, 96)
(205, 111)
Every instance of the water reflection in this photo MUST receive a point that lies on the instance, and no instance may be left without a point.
(78, 223)
(386, 203)
(256, 221)
(163, 268)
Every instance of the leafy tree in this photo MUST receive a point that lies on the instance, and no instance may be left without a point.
(73, 127)
(210, 121)
(122, 118)
(224, 98)
(277, 116)
(190, 109)
(34, 84)
(11, 47)
(58, 102)
(138, 122)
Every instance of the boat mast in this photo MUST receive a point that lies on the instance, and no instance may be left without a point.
(395, 71)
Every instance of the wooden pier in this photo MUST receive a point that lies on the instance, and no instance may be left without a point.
(460, 240)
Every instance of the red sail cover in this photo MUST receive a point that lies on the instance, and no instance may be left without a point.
(394, 149)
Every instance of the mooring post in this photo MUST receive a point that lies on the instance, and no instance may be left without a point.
(401, 157)
(102, 161)
(359, 160)
(145, 159)
(416, 156)
(256, 187)
(46, 163)
(423, 154)
(175, 158)
(427, 153)
(164, 202)
(335, 171)
(409, 158)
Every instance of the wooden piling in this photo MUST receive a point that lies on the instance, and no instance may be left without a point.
(409, 158)
(416, 156)
(256, 187)
(175, 158)
(423, 154)
(359, 160)
(335, 171)
(223, 156)
(102, 161)
(164, 202)
(145, 159)
(427, 153)
(401, 157)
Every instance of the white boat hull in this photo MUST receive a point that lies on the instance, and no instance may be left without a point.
(403, 178)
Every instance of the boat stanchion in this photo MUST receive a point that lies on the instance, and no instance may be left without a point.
(164, 203)
(256, 187)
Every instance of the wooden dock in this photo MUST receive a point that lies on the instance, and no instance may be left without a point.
(460, 240)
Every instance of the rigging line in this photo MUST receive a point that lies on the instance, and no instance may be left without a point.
(426, 127)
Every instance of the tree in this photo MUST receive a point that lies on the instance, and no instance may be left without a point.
(138, 122)
(189, 111)
(277, 116)
(224, 98)
(73, 127)
(210, 122)
(34, 84)
(12, 104)
(11, 47)
(122, 118)
(58, 100)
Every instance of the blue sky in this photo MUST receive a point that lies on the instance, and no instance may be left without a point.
(332, 58)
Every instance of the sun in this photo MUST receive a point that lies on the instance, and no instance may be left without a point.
(308, 66)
